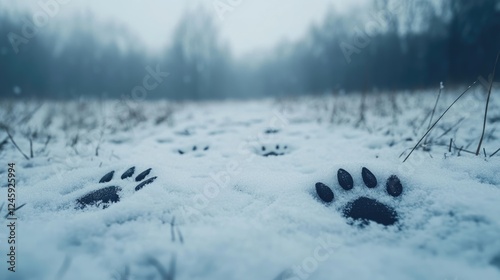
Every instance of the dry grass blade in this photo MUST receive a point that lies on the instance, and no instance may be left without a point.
(181, 239)
(487, 103)
(495, 152)
(13, 211)
(440, 117)
(172, 232)
(451, 128)
(435, 106)
(2, 143)
(164, 275)
(64, 267)
(15, 144)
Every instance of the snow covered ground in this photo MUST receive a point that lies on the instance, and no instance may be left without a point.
(220, 209)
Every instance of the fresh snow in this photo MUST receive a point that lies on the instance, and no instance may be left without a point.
(245, 216)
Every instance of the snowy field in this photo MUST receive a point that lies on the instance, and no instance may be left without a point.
(234, 195)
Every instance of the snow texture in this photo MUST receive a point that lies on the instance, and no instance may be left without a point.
(235, 193)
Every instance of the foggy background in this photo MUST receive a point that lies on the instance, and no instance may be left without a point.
(241, 48)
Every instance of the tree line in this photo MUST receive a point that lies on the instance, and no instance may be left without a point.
(393, 45)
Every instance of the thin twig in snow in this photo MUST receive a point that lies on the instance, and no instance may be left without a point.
(487, 103)
(14, 142)
(434, 109)
(440, 117)
(495, 152)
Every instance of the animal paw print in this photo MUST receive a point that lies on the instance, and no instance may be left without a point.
(104, 197)
(271, 131)
(273, 150)
(195, 149)
(364, 209)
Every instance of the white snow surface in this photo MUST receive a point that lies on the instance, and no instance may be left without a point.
(245, 216)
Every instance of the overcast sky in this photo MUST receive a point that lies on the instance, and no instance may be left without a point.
(248, 25)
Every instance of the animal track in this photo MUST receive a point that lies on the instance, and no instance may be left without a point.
(104, 197)
(273, 150)
(193, 149)
(271, 131)
(363, 208)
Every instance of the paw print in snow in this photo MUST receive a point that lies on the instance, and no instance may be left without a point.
(197, 150)
(273, 150)
(363, 208)
(104, 197)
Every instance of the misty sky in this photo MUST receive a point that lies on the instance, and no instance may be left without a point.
(251, 25)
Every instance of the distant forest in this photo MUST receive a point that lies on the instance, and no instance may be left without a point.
(393, 45)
